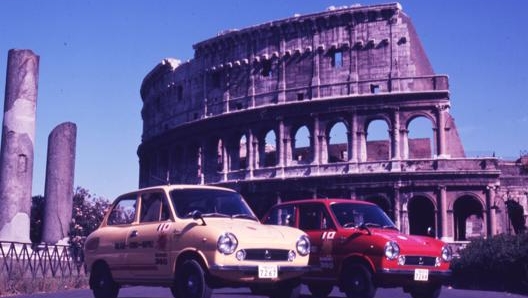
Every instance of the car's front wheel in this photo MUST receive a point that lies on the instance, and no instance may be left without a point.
(102, 283)
(191, 281)
(356, 281)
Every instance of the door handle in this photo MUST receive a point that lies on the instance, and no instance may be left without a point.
(134, 234)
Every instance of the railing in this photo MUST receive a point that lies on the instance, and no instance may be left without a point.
(40, 260)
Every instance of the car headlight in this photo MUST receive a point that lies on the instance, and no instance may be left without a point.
(227, 243)
(392, 250)
(447, 253)
(303, 245)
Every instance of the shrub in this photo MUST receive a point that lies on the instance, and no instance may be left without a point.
(499, 263)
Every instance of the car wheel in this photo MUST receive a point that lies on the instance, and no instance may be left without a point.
(102, 283)
(430, 291)
(191, 281)
(320, 290)
(289, 289)
(356, 280)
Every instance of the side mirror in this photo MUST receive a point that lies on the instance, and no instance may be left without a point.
(431, 232)
(196, 215)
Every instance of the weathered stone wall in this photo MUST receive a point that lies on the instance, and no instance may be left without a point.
(18, 139)
(231, 116)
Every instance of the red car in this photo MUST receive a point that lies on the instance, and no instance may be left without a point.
(357, 247)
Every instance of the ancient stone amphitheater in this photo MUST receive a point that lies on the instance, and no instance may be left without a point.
(283, 111)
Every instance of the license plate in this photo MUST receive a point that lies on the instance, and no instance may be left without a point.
(267, 271)
(421, 274)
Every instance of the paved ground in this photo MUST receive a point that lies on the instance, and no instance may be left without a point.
(152, 292)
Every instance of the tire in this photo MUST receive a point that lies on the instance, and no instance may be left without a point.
(429, 291)
(102, 283)
(191, 281)
(289, 289)
(320, 290)
(356, 281)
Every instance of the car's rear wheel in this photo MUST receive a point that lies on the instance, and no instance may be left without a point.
(102, 283)
(356, 281)
(191, 281)
(320, 290)
(429, 291)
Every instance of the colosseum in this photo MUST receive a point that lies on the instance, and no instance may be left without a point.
(283, 111)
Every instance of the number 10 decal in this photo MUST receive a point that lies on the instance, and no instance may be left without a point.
(328, 235)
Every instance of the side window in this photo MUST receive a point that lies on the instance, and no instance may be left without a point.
(314, 217)
(154, 207)
(284, 216)
(124, 212)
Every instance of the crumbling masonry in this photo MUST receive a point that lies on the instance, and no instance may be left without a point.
(233, 116)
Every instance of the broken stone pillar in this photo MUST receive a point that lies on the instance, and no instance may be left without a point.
(60, 167)
(18, 138)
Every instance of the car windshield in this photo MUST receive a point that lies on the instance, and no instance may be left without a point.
(353, 215)
(210, 202)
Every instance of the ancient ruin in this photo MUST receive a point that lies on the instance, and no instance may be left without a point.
(235, 115)
(59, 183)
(18, 139)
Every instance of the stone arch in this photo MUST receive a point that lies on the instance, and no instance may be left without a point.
(422, 215)
(243, 152)
(420, 143)
(268, 145)
(302, 144)
(384, 203)
(468, 216)
(337, 141)
(377, 147)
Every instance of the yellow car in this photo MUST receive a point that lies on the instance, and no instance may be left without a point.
(192, 239)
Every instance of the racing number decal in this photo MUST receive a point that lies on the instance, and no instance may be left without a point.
(328, 235)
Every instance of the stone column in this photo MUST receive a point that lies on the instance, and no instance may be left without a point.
(60, 170)
(18, 138)
(442, 192)
(441, 151)
(395, 134)
(353, 141)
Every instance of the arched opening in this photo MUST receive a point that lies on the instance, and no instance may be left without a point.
(384, 203)
(420, 138)
(301, 145)
(421, 215)
(378, 141)
(243, 153)
(338, 143)
(268, 152)
(468, 217)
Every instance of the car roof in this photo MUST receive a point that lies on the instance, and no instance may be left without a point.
(326, 201)
(171, 187)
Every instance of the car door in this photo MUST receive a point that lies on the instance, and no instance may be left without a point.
(114, 247)
(313, 218)
(149, 240)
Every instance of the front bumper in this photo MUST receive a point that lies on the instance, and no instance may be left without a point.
(249, 274)
(405, 277)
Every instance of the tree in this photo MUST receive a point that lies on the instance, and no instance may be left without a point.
(37, 215)
(88, 212)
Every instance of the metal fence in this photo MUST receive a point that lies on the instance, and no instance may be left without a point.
(40, 260)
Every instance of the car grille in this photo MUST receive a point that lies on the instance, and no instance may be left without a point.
(420, 261)
(266, 254)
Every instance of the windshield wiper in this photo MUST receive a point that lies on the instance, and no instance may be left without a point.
(243, 215)
(214, 214)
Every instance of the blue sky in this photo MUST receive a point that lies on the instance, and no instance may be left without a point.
(95, 53)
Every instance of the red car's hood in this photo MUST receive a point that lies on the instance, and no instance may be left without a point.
(411, 244)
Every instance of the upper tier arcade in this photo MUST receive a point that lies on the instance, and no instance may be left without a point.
(343, 52)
